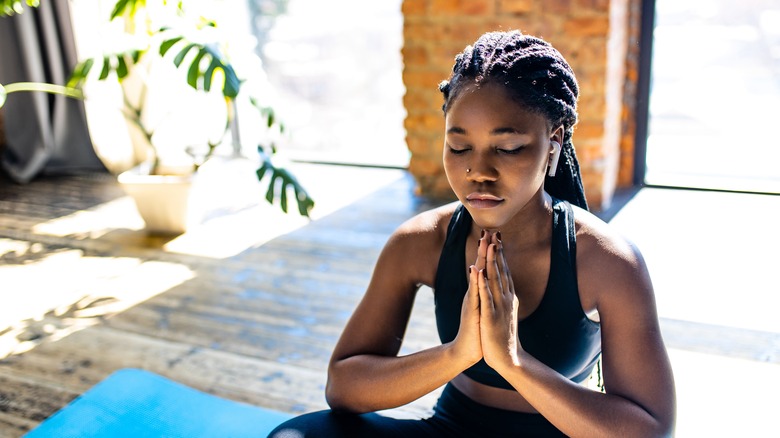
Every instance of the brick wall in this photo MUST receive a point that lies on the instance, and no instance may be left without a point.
(597, 37)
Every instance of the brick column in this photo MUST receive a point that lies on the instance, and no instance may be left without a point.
(594, 37)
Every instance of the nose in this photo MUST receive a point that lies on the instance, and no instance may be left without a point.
(482, 169)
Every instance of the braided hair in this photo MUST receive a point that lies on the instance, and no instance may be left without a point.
(537, 76)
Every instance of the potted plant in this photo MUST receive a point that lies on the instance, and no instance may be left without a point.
(166, 46)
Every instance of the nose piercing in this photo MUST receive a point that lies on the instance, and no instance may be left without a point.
(468, 170)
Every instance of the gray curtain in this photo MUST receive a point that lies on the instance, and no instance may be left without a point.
(44, 132)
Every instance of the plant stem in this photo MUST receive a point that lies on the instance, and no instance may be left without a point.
(46, 88)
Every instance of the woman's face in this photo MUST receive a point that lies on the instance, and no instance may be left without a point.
(495, 153)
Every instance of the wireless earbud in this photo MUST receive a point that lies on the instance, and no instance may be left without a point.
(556, 156)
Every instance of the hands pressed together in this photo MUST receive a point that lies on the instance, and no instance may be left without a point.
(488, 327)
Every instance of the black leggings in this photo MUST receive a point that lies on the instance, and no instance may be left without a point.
(455, 415)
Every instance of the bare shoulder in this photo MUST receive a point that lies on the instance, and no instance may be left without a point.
(416, 244)
(430, 223)
(608, 264)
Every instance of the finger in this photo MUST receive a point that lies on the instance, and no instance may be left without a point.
(493, 273)
(473, 290)
(485, 296)
(506, 276)
(509, 283)
(496, 238)
(482, 251)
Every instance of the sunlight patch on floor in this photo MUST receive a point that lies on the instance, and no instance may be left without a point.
(94, 222)
(235, 214)
(711, 255)
(50, 293)
(724, 396)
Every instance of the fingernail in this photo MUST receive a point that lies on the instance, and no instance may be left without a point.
(498, 234)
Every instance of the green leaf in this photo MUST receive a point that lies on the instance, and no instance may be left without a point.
(282, 178)
(194, 72)
(106, 68)
(119, 9)
(269, 195)
(80, 73)
(180, 56)
(283, 198)
(262, 170)
(305, 203)
(167, 44)
(14, 7)
(121, 67)
(126, 6)
(232, 84)
(119, 62)
(3, 94)
(209, 74)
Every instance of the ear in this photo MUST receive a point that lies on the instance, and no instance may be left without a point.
(557, 135)
(556, 140)
(555, 155)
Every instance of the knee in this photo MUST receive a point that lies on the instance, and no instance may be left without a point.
(329, 424)
(306, 425)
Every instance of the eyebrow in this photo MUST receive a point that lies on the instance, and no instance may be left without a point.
(497, 131)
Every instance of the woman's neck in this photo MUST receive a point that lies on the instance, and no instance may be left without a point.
(531, 225)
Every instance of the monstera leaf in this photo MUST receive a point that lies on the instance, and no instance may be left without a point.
(116, 62)
(202, 67)
(128, 7)
(280, 181)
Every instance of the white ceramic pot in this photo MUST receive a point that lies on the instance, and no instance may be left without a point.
(165, 202)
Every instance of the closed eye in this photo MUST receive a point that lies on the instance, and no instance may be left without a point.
(457, 151)
(513, 151)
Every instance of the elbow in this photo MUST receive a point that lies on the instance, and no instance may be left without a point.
(665, 422)
(337, 395)
(659, 428)
(665, 429)
(656, 430)
(339, 401)
(334, 398)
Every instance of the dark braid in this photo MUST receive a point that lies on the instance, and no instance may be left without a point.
(539, 78)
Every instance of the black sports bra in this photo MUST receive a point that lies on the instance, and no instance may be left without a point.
(558, 333)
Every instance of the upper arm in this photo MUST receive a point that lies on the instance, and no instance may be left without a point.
(635, 362)
(408, 259)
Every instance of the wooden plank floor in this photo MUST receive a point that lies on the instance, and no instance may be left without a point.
(257, 326)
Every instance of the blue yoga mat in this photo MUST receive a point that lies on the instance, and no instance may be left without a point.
(136, 403)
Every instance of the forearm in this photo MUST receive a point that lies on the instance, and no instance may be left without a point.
(366, 383)
(579, 411)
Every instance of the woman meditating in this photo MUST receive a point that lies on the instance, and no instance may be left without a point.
(531, 290)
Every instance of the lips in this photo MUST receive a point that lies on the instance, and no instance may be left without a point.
(483, 200)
